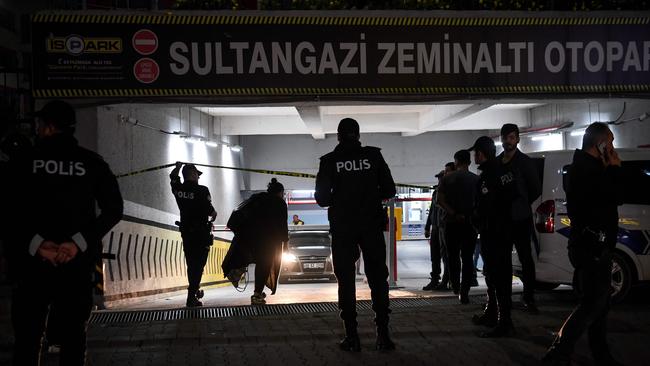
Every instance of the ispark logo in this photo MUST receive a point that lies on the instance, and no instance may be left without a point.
(76, 45)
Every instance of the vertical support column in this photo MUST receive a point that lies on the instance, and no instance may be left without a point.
(391, 247)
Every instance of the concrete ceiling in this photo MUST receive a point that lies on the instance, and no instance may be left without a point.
(409, 120)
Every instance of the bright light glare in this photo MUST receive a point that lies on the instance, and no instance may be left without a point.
(540, 137)
(577, 133)
(288, 257)
(212, 143)
(235, 148)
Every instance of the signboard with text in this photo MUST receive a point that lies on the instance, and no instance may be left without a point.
(177, 55)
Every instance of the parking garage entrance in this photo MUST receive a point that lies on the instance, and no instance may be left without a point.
(253, 94)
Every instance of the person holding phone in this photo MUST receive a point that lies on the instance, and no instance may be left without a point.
(593, 194)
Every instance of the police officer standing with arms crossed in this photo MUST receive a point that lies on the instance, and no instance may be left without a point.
(59, 235)
(352, 181)
(195, 205)
(593, 192)
(529, 188)
(496, 191)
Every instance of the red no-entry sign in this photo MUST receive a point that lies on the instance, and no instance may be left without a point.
(146, 70)
(145, 42)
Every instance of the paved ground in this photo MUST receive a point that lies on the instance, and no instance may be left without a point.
(439, 334)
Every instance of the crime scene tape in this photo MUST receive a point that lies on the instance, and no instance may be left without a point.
(260, 171)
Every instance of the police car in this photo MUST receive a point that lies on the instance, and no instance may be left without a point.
(631, 260)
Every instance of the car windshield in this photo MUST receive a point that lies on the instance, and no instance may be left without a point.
(309, 240)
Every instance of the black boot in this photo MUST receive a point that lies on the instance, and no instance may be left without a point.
(488, 318)
(503, 329)
(351, 341)
(384, 343)
(192, 302)
(431, 286)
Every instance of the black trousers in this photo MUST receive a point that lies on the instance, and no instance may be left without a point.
(497, 268)
(438, 250)
(461, 241)
(521, 236)
(593, 277)
(345, 252)
(196, 246)
(69, 289)
(264, 257)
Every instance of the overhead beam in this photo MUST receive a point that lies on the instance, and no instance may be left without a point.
(429, 118)
(311, 117)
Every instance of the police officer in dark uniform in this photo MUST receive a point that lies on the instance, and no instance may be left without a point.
(352, 181)
(195, 204)
(496, 191)
(594, 191)
(59, 235)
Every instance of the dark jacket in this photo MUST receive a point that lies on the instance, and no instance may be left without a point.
(458, 190)
(62, 185)
(352, 181)
(194, 202)
(594, 193)
(529, 185)
(260, 228)
(435, 213)
(496, 190)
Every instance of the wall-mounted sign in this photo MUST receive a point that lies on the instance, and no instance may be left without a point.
(174, 55)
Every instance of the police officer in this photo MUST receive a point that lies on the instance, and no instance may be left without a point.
(195, 205)
(353, 180)
(529, 188)
(492, 216)
(59, 235)
(593, 192)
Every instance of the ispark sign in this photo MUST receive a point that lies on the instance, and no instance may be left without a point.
(315, 56)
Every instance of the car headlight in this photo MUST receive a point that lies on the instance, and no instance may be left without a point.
(288, 257)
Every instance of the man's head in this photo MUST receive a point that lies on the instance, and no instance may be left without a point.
(55, 117)
(509, 137)
(462, 159)
(597, 138)
(440, 175)
(484, 150)
(348, 130)
(295, 218)
(190, 173)
(450, 167)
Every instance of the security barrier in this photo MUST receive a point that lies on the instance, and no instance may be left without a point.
(149, 261)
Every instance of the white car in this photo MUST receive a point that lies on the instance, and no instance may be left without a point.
(552, 225)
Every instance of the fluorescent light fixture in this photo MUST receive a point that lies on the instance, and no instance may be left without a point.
(212, 143)
(541, 137)
(235, 148)
(576, 133)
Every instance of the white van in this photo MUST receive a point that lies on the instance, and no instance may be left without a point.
(552, 224)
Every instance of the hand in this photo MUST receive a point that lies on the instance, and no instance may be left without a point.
(427, 234)
(611, 157)
(178, 165)
(48, 251)
(67, 251)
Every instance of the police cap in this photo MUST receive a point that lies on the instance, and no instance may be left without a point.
(188, 168)
(59, 113)
(485, 145)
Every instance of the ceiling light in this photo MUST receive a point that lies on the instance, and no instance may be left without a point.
(235, 148)
(540, 137)
(577, 133)
(212, 143)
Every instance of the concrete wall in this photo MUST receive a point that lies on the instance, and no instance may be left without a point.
(411, 159)
(629, 134)
(130, 148)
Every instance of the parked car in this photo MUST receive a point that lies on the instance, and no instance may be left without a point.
(631, 260)
(308, 256)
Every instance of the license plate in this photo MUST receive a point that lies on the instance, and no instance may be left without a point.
(314, 265)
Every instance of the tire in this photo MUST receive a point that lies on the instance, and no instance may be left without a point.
(546, 286)
(621, 277)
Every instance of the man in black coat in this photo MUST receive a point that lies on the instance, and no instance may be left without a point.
(529, 188)
(59, 235)
(593, 191)
(352, 181)
(496, 190)
(195, 205)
